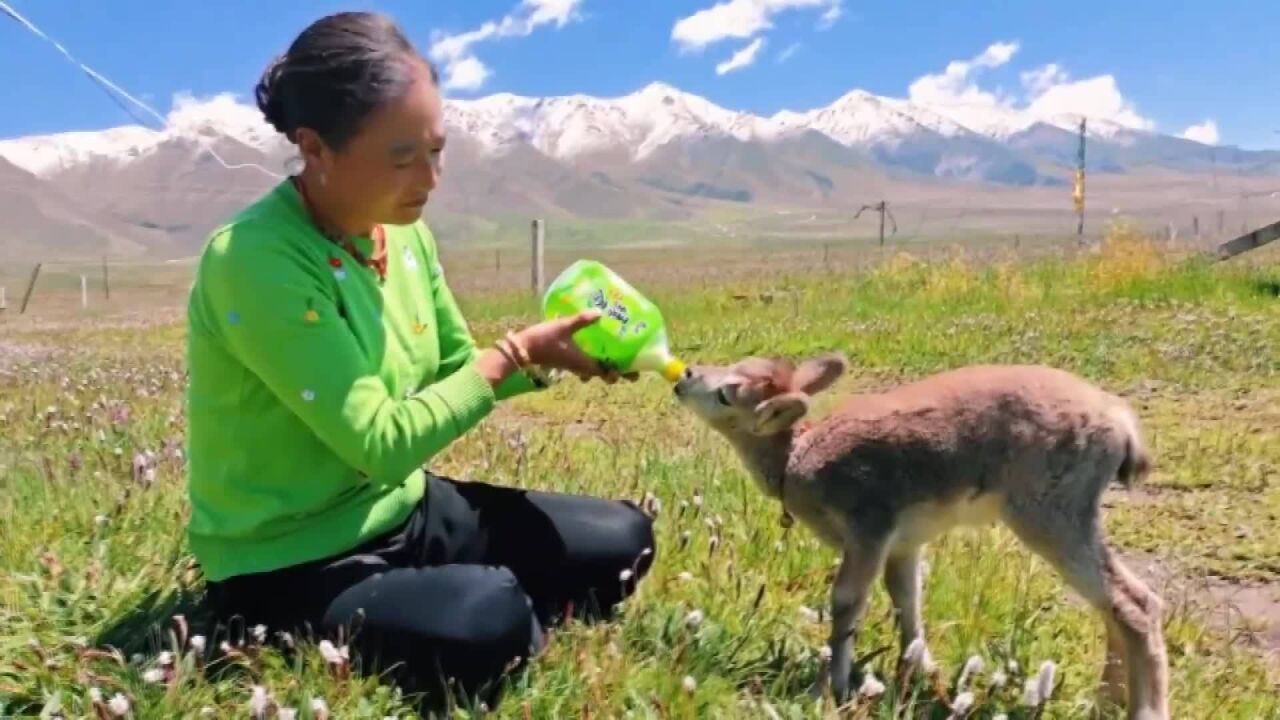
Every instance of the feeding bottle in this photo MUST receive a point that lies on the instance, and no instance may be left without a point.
(631, 335)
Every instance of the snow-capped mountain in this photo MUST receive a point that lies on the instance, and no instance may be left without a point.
(658, 152)
(576, 127)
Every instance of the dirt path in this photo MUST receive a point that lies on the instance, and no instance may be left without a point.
(1247, 613)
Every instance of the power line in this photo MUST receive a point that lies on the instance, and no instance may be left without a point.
(109, 87)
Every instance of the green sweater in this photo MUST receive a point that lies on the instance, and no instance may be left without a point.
(316, 395)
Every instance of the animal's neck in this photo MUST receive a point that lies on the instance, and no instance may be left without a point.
(766, 458)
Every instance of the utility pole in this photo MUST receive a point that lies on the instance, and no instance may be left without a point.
(883, 208)
(1078, 194)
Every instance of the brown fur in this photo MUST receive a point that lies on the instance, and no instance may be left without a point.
(1032, 447)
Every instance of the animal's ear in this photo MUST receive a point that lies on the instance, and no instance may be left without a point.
(819, 373)
(779, 413)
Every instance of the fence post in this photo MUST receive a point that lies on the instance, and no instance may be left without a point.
(4, 303)
(31, 285)
(106, 278)
(84, 292)
(538, 242)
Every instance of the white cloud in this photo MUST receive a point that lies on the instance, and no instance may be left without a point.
(790, 50)
(1206, 132)
(1097, 97)
(955, 90)
(831, 15)
(742, 58)
(1041, 79)
(464, 71)
(1049, 93)
(742, 19)
(467, 73)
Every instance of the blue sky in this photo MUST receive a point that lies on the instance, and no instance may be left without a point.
(1151, 62)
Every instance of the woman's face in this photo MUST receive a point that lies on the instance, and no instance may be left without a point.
(386, 171)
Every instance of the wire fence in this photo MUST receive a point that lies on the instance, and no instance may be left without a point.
(732, 252)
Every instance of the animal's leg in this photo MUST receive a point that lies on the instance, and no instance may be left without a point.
(858, 569)
(902, 580)
(1132, 613)
(1114, 685)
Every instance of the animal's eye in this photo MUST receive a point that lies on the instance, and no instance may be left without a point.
(722, 396)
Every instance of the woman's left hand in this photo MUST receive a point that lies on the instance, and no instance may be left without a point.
(550, 344)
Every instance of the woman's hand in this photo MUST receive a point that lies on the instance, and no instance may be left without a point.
(550, 344)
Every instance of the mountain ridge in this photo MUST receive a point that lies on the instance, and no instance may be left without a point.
(658, 154)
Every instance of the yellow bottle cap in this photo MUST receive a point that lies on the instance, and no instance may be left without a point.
(673, 370)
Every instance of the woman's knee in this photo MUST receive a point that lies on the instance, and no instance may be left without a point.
(635, 529)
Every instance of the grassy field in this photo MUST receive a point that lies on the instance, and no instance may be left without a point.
(93, 566)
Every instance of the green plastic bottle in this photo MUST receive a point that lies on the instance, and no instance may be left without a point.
(630, 337)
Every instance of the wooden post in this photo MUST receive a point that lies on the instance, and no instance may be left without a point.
(881, 223)
(1195, 226)
(106, 278)
(497, 261)
(31, 285)
(538, 242)
(84, 292)
(4, 303)
(1249, 241)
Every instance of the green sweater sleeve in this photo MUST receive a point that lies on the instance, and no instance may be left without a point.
(274, 308)
(457, 345)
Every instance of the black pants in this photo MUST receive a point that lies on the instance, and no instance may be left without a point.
(463, 590)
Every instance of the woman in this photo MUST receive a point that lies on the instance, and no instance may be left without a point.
(329, 361)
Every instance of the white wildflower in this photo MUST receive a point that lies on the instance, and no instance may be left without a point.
(198, 643)
(1000, 716)
(319, 708)
(914, 654)
(259, 702)
(685, 576)
(962, 705)
(119, 705)
(809, 614)
(99, 519)
(972, 667)
(697, 500)
(95, 694)
(165, 659)
(287, 713)
(998, 679)
(693, 619)
(824, 652)
(1031, 693)
(689, 684)
(871, 686)
(625, 575)
(154, 676)
(1044, 683)
(260, 633)
(207, 711)
(333, 655)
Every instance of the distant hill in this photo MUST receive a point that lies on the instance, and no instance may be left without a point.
(658, 154)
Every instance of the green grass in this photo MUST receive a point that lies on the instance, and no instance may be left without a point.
(93, 565)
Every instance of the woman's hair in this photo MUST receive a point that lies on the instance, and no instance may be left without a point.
(336, 72)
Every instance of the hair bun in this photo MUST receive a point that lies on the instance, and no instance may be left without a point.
(267, 93)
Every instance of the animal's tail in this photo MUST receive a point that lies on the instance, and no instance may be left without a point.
(1137, 463)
